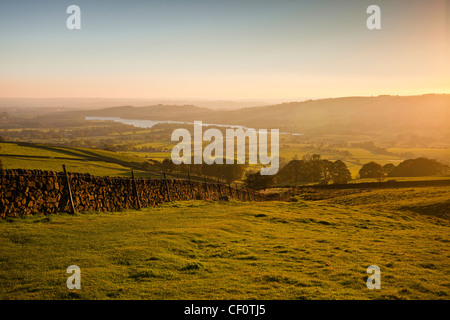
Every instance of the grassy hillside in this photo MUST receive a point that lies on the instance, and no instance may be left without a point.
(203, 250)
(83, 160)
(356, 130)
(380, 118)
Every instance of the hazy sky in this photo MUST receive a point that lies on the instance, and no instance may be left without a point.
(223, 49)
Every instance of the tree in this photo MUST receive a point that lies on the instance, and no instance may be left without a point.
(167, 165)
(4, 116)
(146, 166)
(371, 170)
(327, 168)
(232, 172)
(254, 180)
(317, 167)
(313, 169)
(419, 167)
(339, 172)
(387, 168)
(295, 171)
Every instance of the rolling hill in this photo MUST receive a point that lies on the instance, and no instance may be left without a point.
(382, 118)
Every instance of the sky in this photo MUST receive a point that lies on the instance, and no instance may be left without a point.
(223, 49)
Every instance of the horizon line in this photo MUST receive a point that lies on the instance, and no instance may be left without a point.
(230, 99)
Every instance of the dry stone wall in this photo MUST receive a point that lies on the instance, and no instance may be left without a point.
(30, 192)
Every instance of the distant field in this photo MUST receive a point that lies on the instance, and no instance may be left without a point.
(424, 152)
(119, 163)
(82, 160)
(440, 177)
(160, 156)
(14, 148)
(95, 168)
(233, 250)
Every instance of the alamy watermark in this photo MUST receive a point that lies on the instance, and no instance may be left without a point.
(374, 281)
(74, 281)
(74, 20)
(213, 152)
(373, 22)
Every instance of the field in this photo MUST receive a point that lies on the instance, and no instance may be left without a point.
(107, 163)
(316, 246)
(84, 160)
(301, 249)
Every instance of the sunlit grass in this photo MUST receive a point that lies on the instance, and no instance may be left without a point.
(234, 250)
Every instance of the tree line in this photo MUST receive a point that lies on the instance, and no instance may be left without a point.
(418, 167)
(322, 171)
(309, 169)
(227, 172)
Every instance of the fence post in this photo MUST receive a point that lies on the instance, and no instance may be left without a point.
(167, 185)
(220, 189)
(207, 189)
(190, 185)
(69, 189)
(135, 190)
(231, 190)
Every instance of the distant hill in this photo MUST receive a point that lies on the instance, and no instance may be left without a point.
(10, 104)
(381, 117)
(157, 112)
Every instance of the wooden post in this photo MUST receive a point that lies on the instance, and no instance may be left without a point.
(68, 188)
(167, 185)
(207, 189)
(220, 189)
(190, 185)
(136, 194)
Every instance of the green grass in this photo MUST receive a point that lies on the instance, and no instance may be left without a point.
(235, 250)
(160, 156)
(83, 160)
(14, 148)
(385, 179)
(98, 168)
(424, 152)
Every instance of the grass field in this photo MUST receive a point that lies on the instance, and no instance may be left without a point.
(236, 250)
(83, 160)
(290, 147)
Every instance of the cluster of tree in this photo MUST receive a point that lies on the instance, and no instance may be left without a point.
(150, 149)
(330, 149)
(370, 146)
(313, 169)
(4, 116)
(256, 181)
(409, 168)
(59, 134)
(227, 172)
(415, 141)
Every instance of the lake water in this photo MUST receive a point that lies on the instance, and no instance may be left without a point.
(150, 123)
